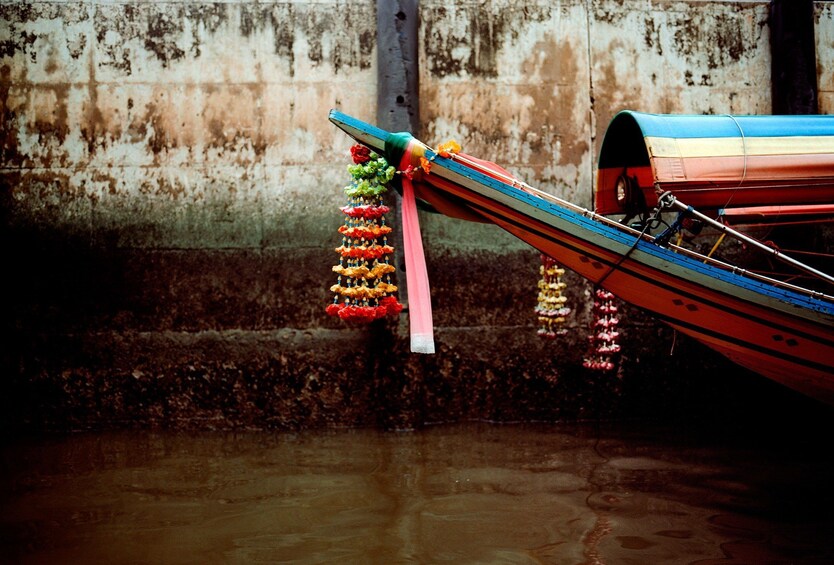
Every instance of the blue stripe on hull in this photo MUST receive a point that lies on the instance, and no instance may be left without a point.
(614, 234)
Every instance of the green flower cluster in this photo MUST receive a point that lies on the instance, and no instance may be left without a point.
(370, 178)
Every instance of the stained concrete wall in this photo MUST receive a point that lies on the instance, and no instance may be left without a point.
(171, 185)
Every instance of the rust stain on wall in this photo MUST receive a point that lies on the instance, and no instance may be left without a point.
(557, 103)
(651, 35)
(124, 109)
(49, 111)
(232, 118)
(93, 121)
(113, 27)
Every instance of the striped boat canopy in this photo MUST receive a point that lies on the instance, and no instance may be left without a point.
(716, 161)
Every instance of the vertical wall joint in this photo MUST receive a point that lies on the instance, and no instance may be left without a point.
(793, 57)
(397, 83)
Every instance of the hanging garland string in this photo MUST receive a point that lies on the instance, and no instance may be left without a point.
(551, 309)
(364, 290)
(603, 347)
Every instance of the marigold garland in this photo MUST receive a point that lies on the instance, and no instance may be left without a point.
(354, 250)
(364, 232)
(447, 149)
(603, 346)
(364, 291)
(551, 310)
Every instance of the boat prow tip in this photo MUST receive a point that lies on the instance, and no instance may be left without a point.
(335, 116)
(362, 132)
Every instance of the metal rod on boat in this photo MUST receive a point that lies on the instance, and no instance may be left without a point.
(668, 200)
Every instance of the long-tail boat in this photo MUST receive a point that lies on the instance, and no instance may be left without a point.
(663, 180)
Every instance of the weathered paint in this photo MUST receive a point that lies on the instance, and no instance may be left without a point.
(167, 170)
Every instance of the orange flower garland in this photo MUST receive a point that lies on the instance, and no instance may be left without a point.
(447, 149)
(363, 291)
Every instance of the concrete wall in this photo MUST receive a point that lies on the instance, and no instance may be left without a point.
(824, 28)
(171, 185)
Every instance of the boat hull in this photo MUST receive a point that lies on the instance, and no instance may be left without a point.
(776, 332)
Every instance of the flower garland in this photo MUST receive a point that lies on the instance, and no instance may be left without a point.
(447, 149)
(602, 342)
(363, 291)
(551, 309)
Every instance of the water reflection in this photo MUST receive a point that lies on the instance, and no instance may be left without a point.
(474, 493)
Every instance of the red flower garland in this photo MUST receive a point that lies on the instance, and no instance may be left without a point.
(367, 293)
(387, 306)
(365, 212)
(603, 347)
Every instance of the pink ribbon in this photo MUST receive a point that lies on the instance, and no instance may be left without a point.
(416, 274)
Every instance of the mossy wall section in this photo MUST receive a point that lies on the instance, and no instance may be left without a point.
(170, 190)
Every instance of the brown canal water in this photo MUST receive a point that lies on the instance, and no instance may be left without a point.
(464, 493)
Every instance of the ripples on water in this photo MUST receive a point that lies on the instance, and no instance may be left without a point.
(473, 493)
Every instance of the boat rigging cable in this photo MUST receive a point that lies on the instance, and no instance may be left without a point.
(668, 200)
(744, 154)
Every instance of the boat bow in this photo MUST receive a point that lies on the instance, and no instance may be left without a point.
(782, 331)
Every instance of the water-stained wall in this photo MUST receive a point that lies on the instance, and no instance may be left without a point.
(824, 38)
(171, 185)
